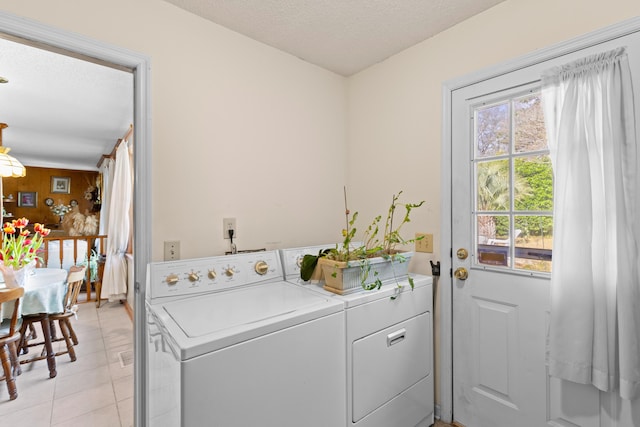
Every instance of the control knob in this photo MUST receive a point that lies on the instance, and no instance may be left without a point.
(193, 277)
(172, 279)
(212, 274)
(262, 268)
(229, 272)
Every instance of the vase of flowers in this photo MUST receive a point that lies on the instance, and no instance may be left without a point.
(60, 210)
(18, 254)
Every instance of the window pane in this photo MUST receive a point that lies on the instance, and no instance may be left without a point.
(493, 130)
(513, 185)
(533, 183)
(529, 130)
(493, 240)
(534, 242)
(493, 186)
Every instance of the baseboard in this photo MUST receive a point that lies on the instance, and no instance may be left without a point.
(129, 309)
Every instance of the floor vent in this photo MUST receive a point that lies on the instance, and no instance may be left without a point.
(126, 358)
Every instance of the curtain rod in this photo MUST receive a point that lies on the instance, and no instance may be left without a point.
(112, 155)
(127, 134)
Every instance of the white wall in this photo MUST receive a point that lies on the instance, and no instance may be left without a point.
(239, 129)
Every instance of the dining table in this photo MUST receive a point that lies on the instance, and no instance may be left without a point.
(44, 292)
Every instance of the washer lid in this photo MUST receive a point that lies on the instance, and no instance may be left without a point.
(216, 312)
(209, 322)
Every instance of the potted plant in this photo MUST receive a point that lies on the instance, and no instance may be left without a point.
(349, 268)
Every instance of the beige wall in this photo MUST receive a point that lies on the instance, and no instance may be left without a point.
(395, 107)
(239, 129)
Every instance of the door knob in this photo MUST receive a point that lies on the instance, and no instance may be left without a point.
(461, 273)
(462, 253)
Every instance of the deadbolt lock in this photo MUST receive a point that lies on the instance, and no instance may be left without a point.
(461, 273)
(462, 253)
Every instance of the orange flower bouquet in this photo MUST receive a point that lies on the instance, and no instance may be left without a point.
(19, 248)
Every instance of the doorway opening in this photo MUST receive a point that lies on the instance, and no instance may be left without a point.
(58, 41)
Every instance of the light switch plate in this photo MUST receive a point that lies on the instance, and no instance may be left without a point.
(425, 244)
(171, 250)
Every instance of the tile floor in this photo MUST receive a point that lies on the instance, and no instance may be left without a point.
(95, 390)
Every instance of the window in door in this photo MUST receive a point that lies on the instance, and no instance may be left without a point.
(513, 185)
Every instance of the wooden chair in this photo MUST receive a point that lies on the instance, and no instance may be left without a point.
(9, 336)
(74, 283)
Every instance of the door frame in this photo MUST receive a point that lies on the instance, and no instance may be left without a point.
(141, 66)
(445, 409)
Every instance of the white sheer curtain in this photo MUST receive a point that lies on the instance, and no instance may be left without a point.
(594, 333)
(107, 182)
(114, 283)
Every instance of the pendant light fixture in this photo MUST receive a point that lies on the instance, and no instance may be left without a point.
(9, 167)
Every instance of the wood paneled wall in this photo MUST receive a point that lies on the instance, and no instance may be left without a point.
(39, 181)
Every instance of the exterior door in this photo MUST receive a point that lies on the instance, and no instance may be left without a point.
(502, 243)
(502, 249)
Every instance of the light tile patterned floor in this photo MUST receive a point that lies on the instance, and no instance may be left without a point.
(95, 390)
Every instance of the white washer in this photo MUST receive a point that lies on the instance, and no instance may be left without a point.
(389, 348)
(232, 344)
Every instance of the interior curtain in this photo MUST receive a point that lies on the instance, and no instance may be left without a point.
(594, 331)
(107, 182)
(114, 283)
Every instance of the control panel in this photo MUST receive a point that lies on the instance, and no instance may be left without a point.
(213, 274)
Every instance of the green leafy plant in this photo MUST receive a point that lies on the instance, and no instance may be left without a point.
(92, 264)
(391, 237)
(374, 244)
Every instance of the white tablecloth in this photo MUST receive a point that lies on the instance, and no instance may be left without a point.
(44, 292)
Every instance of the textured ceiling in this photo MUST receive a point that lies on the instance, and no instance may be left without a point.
(344, 36)
(62, 112)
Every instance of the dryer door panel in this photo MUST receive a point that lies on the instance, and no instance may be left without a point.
(389, 362)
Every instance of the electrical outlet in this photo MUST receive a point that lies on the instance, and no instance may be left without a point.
(171, 250)
(425, 244)
(229, 224)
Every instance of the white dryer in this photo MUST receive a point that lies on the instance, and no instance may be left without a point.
(232, 344)
(389, 348)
